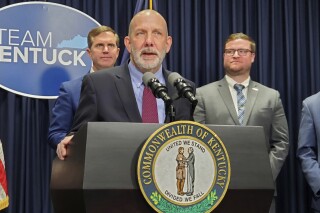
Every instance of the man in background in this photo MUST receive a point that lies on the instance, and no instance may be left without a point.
(308, 146)
(237, 100)
(103, 49)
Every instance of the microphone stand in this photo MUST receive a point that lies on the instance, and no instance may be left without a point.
(170, 111)
(193, 107)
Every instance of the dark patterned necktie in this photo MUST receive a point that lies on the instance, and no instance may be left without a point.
(241, 100)
(149, 107)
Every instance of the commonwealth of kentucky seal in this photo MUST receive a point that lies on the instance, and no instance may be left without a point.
(184, 167)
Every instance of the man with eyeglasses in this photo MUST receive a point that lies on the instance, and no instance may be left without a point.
(238, 100)
(103, 49)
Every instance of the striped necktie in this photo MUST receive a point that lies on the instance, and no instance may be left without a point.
(241, 101)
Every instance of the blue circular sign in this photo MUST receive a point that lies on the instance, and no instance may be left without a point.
(42, 44)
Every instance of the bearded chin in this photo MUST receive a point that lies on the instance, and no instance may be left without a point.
(147, 64)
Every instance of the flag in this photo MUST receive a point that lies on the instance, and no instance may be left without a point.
(141, 5)
(4, 198)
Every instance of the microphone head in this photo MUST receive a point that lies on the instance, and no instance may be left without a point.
(147, 77)
(173, 77)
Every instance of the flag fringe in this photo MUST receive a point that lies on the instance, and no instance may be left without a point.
(4, 203)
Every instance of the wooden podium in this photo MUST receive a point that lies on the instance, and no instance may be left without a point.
(99, 174)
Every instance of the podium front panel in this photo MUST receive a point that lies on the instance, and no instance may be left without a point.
(103, 162)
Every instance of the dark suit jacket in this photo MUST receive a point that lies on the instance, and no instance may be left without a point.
(64, 110)
(108, 96)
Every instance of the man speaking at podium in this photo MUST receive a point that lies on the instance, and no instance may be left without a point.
(118, 94)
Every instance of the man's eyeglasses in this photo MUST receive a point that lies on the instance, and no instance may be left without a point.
(241, 52)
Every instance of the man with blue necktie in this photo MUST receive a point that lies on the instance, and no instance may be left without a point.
(238, 100)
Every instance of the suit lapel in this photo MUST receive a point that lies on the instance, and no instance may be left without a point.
(126, 94)
(226, 97)
(252, 93)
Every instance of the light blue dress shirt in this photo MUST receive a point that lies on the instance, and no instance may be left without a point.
(138, 87)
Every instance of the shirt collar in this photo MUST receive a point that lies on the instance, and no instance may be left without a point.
(232, 82)
(136, 75)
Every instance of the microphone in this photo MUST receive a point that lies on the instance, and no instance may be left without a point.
(158, 89)
(184, 89)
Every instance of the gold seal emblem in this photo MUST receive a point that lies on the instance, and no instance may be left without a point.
(183, 167)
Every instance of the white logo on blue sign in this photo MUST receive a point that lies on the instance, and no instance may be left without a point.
(42, 45)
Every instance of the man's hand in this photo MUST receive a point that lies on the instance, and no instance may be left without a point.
(62, 147)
